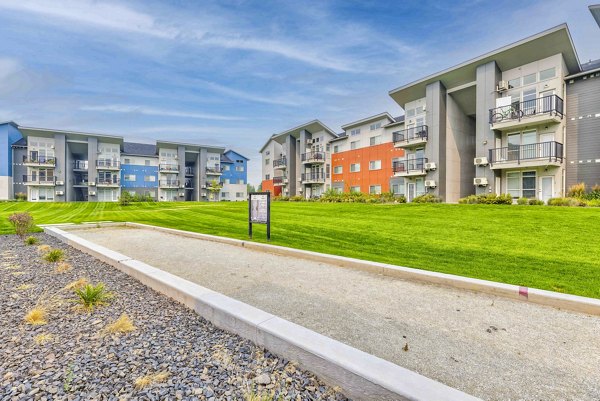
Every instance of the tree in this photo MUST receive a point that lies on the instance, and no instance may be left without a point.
(251, 188)
(214, 189)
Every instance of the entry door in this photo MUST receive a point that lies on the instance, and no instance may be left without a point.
(411, 191)
(547, 187)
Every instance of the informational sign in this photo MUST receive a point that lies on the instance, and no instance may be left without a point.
(259, 211)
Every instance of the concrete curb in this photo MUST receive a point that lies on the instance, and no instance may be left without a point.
(361, 376)
(541, 297)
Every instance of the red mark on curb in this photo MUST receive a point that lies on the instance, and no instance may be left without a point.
(524, 291)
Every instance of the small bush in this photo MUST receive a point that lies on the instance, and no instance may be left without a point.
(21, 196)
(487, 199)
(297, 198)
(536, 202)
(122, 325)
(21, 222)
(31, 241)
(576, 191)
(565, 202)
(593, 202)
(91, 296)
(125, 198)
(427, 198)
(523, 201)
(55, 255)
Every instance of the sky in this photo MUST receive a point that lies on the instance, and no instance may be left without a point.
(232, 73)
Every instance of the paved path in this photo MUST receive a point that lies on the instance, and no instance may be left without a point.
(487, 346)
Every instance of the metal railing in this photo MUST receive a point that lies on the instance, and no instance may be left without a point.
(213, 169)
(108, 163)
(169, 183)
(280, 162)
(168, 167)
(528, 108)
(313, 156)
(80, 181)
(39, 180)
(314, 177)
(80, 165)
(551, 151)
(210, 184)
(279, 180)
(114, 181)
(189, 171)
(419, 133)
(409, 166)
(40, 160)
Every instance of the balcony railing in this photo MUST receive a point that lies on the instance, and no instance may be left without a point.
(213, 169)
(169, 183)
(80, 181)
(280, 162)
(189, 171)
(409, 166)
(529, 108)
(108, 164)
(39, 180)
(40, 160)
(279, 180)
(210, 184)
(312, 177)
(168, 168)
(80, 165)
(413, 134)
(108, 182)
(313, 157)
(551, 151)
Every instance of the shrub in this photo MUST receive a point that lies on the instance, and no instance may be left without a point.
(523, 201)
(91, 296)
(536, 202)
(31, 241)
(55, 255)
(296, 198)
(576, 191)
(400, 199)
(593, 202)
(565, 202)
(487, 199)
(125, 199)
(22, 223)
(21, 196)
(427, 198)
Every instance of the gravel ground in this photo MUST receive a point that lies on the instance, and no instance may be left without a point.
(490, 347)
(79, 362)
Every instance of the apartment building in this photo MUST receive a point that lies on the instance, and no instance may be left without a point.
(234, 168)
(64, 166)
(523, 119)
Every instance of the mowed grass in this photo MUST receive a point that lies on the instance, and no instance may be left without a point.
(552, 248)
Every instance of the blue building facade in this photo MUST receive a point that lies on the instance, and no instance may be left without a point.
(9, 134)
(139, 169)
(234, 176)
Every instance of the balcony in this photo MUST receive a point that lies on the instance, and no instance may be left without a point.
(108, 182)
(530, 155)
(108, 164)
(80, 182)
(39, 161)
(39, 180)
(280, 163)
(213, 170)
(313, 157)
(80, 165)
(410, 167)
(168, 183)
(212, 184)
(547, 109)
(168, 168)
(411, 137)
(189, 171)
(312, 178)
(280, 181)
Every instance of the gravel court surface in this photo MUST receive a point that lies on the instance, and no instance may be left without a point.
(487, 346)
(78, 362)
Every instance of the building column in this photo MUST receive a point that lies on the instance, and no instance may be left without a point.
(435, 149)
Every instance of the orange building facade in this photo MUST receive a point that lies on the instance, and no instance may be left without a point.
(267, 186)
(367, 176)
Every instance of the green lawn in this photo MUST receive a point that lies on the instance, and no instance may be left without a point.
(551, 248)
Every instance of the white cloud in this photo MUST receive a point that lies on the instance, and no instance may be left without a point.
(291, 100)
(155, 111)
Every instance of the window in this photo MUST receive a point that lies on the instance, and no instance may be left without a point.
(241, 181)
(127, 161)
(375, 165)
(149, 178)
(410, 113)
(225, 167)
(529, 184)
(375, 126)
(224, 195)
(354, 145)
(420, 187)
(355, 189)
(398, 188)
(268, 177)
(146, 162)
(419, 110)
(513, 186)
(355, 167)
(336, 149)
(529, 79)
(375, 189)
(547, 74)
(514, 83)
(337, 170)
(129, 177)
(239, 168)
(267, 161)
(239, 194)
(268, 152)
(355, 131)
(375, 140)
(228, 181)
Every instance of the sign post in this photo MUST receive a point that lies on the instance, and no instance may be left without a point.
(259, 211)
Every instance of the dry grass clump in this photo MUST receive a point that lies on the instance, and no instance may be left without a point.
(222, 355)
(43, 338)
(24, 287)
(37, 316)
(122, 325)
(253, 395)
(148, 380)
(44, 248)
(63, 267)
(82, 282)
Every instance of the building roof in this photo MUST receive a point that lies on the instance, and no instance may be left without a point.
(20, 142)
(369, 119)
(139, 149)
(542, 45)
(26, 131)
(236, 152)
(14, 124)
(590, 65)
(595, 10)
(190, 146)
(225, 159)
(311, 126)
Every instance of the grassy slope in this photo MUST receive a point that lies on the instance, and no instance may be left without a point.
(551, 248)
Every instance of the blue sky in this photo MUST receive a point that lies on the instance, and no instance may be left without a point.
(235, 72)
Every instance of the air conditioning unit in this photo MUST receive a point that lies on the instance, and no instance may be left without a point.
(60, 183)
(60, 193)
(92, 184)
(51, 146)
(480, 161)
(424, 108)
(430, 184)
(182, 194)
(502, 86)
(92, 193)
(430, 166)
(480, 181)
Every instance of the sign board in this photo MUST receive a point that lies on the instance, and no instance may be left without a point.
(259, 211)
